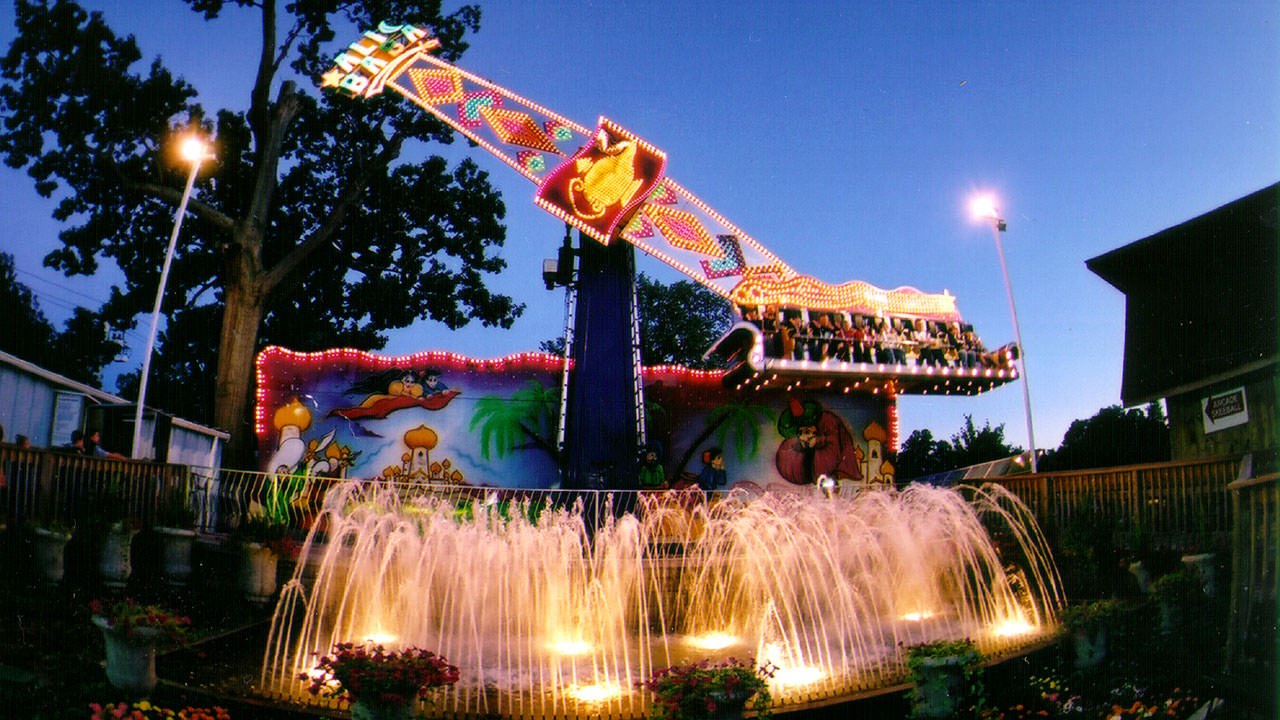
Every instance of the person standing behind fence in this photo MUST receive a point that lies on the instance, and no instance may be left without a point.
(93, 448)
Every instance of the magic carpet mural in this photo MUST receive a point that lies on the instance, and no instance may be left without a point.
(444, 418)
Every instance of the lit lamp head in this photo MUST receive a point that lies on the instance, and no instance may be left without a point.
(984, 207)
(193, 149)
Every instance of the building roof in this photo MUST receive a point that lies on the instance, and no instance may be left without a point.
(1201, 298)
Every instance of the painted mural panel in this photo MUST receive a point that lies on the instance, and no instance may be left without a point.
(719, 438)
(428, 418)
(442, 418)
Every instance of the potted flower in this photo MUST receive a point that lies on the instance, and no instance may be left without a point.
(1087, 623)
(379, 684)
(175, 523)
(131, 632)
(114, 528)
(262, 542)
(946, 675)
(50, 538)
(706, 689)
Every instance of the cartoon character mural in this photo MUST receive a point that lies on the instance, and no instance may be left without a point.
(443, 418)
(396, 389)
(816, 442)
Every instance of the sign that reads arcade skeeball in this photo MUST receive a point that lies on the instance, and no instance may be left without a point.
(1225, 410)
(363, 69)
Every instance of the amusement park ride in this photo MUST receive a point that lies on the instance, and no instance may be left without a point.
(612, 186)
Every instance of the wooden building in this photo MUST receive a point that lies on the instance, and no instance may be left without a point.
(1201, 325)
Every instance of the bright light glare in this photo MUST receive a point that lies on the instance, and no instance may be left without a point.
(983, 207)
(917, 616)
(802, 675)
(322, 676)
(380, 638)
(597, 693)
(571, 647)
(1010, 628)
(192, 149)
(712, 641)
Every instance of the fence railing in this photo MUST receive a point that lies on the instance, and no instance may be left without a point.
(1164, 505)
(51, 486)
(1251, 635)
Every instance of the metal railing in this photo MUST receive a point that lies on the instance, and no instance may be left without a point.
(1165, 505)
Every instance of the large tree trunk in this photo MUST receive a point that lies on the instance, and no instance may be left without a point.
(240, 322)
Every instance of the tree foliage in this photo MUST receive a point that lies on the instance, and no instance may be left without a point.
(921, 455)
(678, 323)
(1112, 437)
(311, 229)
(79, 351)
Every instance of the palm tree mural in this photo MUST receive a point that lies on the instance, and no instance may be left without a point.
(522, 421)
(738, 420)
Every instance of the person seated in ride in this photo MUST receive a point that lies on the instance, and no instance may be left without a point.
(751, 314)
(793, 336)
(863, 344)
(822, 335)
(769, 327)
(846, 339)
(891, 343)
(906, 341)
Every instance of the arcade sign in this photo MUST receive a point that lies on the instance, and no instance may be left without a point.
(1224, 410)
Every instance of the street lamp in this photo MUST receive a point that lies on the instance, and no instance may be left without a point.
(193, 150)
(984, 208)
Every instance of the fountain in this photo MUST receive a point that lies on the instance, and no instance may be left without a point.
(559, 604)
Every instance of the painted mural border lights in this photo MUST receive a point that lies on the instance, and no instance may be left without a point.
(274, 354)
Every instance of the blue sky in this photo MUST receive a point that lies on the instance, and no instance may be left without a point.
(848, 138)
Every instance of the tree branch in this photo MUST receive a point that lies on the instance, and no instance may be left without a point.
(173, 196)
(323, 234)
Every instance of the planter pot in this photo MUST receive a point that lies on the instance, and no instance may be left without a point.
(257, 572)
(1203, 567)
(1142, 575)
(728, 707)
(131, 658)
(175, 554)
(940, 688)
(1090, 647)
(113, 563)
(1170, 615)
(371, 710)
(50, 547)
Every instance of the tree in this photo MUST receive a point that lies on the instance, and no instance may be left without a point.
(310, 230)
(678, 322)
(921, 455)
(972, 446)
(1113, 436)
(80, 351)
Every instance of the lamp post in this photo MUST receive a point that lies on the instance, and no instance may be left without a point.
(984, 208)
(193, 150)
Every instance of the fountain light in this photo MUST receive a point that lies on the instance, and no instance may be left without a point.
(571, 647)
(917, 616)
(712, 640)
(598, 693)
(1011, 628)
(380, 638)
(799, 675)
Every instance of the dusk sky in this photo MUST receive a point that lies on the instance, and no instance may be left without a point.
(848, 138)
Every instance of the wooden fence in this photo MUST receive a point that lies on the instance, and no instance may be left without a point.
(1251, 630)
(1172, 505)
(52, 486)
